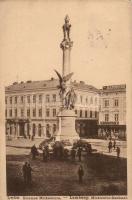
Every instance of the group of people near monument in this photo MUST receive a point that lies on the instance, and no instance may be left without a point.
(60, 153)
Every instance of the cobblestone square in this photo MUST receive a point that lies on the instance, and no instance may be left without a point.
(103, 175)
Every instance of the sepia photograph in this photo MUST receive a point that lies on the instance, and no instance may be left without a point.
(65, 68)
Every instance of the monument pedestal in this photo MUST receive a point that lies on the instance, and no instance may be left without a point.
(67, 130)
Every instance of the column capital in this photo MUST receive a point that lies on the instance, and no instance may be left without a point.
(65, 44)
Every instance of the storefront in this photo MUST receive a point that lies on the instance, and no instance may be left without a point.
(87, 128)
(111, 129)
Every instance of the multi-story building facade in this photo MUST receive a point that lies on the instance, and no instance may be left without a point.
(32, 108)
(112, 113)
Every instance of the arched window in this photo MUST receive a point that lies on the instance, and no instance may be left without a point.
(81, 99)
(28, 129)
(47, 130)
(86, 100)
(39, 130)
(80, 113)
(86, 113)
(10, 129)
(54, 128)
(90, 114)
(34, 129)
(91, 100)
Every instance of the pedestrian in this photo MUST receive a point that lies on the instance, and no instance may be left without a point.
(65, 154)
(45, 154)
(79, 153)
(118, 152)
(89, 149)
(110, 146)
(29, 174)
(32, 138)
(114, 144)
(61, 151)
(80, 174)
(24, 170)
(34, 151)
(73, 154)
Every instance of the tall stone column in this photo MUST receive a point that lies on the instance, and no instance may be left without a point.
(66, 46)
(66, 115)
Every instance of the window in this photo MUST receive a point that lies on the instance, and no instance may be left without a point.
(22, 99)
(54, 97)
(28, 112)
(47, 113)
(10, 100)
(116, 102)
(80, 113)
(47, 98)
(40, 98)
(10, 113)
(54, 112)
(116, 117)
(5, 100)
(86, 113)
(22, 112)
(6, 112)
(40, 112)
(91, 100)
(81, 99)
(15, 112)
(90, 114)
(28, 99)
(106, 117)
(86, 100)
(34, 98)
(54, 128)
(106, 103)
(47, 130)
(39, 130)
(34, 112)
(34, 129)
(76, 112)
(15, 100)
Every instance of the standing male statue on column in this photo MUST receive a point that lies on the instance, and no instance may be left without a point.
(66, 28)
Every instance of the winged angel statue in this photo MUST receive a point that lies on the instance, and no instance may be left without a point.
(68, 97)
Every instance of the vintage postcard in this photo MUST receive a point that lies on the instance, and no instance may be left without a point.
(66, 99)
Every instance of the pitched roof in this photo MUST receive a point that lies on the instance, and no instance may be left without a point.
(31, 85)
(46, 84)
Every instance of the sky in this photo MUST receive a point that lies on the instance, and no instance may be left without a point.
(31, 33)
